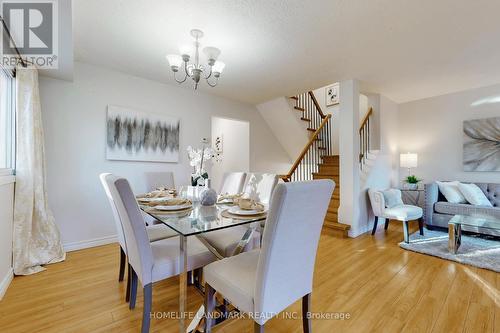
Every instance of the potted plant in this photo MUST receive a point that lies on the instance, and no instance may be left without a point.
(412, 182)
(198, 159)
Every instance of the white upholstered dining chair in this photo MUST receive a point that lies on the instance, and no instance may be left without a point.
(150, 261)
(258, 186)
(265, 282)
(159, 179)
(394, 211)
(155, 232)
(232, 182)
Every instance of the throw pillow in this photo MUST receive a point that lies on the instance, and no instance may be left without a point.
(392, 198)
(451, 192)
(474, 195)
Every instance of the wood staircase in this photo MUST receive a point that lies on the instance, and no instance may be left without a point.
(316, 160)
(330, 169)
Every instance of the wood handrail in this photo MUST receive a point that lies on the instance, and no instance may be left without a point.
(306, 148)
(316, 104)
(365, 119)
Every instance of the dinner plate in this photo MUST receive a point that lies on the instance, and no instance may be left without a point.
(173, 207)
(152, 199)
(238, 211)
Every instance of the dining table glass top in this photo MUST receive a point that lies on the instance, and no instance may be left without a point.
(200, 219)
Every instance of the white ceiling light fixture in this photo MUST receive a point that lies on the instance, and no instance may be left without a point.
(195, 70)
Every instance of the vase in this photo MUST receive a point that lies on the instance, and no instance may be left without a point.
(208, 197)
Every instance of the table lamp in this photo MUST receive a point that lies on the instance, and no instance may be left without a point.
(408, 160)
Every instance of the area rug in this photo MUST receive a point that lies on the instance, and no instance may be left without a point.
(474, 251)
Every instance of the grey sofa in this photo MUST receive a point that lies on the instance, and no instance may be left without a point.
(438, 211)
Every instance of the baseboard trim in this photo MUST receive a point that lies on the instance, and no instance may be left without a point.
(80, 245)
(4, 284)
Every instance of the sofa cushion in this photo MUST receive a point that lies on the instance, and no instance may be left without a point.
(492, 192)
(451, 192)
(474, 195)
(444, 207)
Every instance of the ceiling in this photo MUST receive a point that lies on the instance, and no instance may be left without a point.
(404, 49)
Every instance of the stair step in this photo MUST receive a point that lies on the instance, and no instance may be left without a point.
(299, 108)
(294, 97)
(334, 202)
(321, 148)
(305, 119)
(326, 176)
(330, 159)
(337, 225)
(318, 139)
(328, 168)
(331, 216)
(311, 129)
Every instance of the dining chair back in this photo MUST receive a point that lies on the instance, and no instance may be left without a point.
(159, 179)
(232, 183)
(290, 241)
(107, 183)
(260, 186)
(140, 255)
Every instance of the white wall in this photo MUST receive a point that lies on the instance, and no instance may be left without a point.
(6, 218)
(433, 128)
(235, 146)
(286, 125)
(74, 123)
(349, 210)
(334, 110)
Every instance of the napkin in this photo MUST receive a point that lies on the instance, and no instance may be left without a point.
(168, 202)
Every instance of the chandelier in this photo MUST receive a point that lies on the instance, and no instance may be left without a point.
(195, 70)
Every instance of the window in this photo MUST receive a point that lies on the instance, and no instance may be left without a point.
(7, 122)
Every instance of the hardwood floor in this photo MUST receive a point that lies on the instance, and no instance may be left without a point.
(382, 287)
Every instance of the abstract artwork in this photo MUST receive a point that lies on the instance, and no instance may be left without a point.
(482, 144)
(332, 94)
(137, 136)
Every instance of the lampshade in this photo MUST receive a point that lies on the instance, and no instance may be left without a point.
(211, 52)
(218, 67)
(408, 160)
(174, 60)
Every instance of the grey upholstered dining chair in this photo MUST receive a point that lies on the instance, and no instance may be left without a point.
(150, 261)
(159, 179)
(258, 186)
(232, 183)
(155, 232)
(253, 281)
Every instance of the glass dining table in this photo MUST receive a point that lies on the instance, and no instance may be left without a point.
(194, 222)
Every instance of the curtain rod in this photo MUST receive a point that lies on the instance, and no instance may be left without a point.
(23, 62)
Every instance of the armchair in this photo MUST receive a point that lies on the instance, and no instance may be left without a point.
(399, 212)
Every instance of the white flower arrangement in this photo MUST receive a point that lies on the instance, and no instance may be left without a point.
(199, 159)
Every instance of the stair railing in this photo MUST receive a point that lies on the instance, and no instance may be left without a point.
(364, 138)
(319, 144)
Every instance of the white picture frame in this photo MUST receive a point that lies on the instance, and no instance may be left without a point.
(332, 94)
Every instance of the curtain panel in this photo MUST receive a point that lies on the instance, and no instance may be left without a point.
(36, 239)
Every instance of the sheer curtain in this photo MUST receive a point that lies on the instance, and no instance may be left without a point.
(36, 239)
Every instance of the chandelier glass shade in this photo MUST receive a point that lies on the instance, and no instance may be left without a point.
(194, 70)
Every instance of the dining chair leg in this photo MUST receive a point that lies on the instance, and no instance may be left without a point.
(258, 328)
(122, 265)
(129, 280)
(375, 225)
(133, 289)
(386, 224)
(209, 307)
(146, 313)
(306, 313)
(406, 232)
(421, 226)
